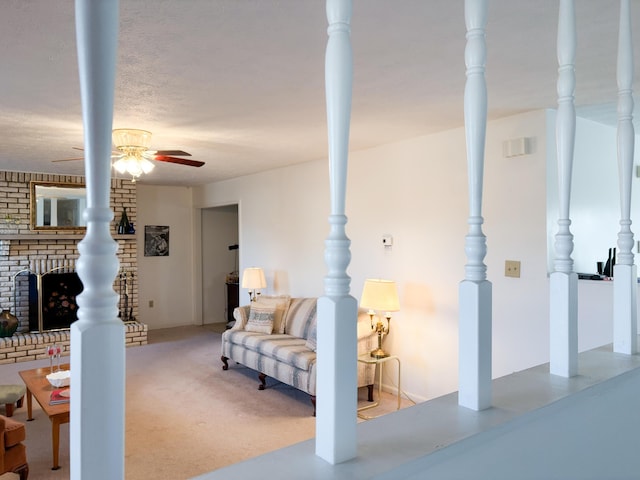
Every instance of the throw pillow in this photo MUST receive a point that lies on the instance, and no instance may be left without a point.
(260, 319)
(281, 305)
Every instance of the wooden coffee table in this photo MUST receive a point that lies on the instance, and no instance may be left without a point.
(38, 386)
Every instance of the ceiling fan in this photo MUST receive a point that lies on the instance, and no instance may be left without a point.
(132, 154)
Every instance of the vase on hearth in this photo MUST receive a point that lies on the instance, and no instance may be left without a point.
(124, 225)
(8, 323)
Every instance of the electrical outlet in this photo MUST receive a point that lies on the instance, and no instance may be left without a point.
(512, 268)
(150, 303)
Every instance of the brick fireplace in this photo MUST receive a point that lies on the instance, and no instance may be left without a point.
(26, 250)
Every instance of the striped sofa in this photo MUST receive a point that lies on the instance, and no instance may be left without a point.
(287, 352)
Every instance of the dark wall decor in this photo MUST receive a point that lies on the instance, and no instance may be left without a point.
(156, 241)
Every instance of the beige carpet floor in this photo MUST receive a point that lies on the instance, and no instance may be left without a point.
(184, 415)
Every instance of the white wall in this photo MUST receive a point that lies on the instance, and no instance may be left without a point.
(595, 196)
(167, 281)
(282, 222)
(416, 190)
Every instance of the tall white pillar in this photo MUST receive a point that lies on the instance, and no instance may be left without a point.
(53, 212)
(475, 290)
(97, 337)
(337, 393)
(625, 278)
(563, 300)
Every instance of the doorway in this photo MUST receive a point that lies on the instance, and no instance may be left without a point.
(220, 257)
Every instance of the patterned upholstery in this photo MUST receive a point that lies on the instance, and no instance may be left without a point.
(281, 347)
(290, 357)
(13, 453)
(302, 311)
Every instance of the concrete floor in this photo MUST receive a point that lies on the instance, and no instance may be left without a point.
(394, 445)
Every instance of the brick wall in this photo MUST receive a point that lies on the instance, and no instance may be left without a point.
(24, 249)
(24, 347)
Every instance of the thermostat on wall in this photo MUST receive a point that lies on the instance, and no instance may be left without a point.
(387, 240)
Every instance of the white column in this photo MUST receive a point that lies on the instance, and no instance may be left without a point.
(40, 211)
(625, 278)
(563, 329)
(53, 212)
(475, 290)
(337, 393)
(97, 337)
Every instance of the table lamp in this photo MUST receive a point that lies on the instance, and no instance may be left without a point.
(253, 279)
(380, 296)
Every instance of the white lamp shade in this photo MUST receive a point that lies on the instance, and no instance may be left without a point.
(380, 295)
(120, 165)
(146, 165)
(133, 165)
(253, 278)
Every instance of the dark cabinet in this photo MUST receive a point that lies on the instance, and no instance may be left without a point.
(233, 300)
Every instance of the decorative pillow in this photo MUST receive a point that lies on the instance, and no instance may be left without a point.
(312, 340)
(260, 318)
(281, 305)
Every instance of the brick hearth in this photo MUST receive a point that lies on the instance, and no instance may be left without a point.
(24, 347)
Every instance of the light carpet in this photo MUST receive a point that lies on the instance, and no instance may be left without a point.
(185, 416)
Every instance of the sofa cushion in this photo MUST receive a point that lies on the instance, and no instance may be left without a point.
(312, 340)
(301, 315)
(284, 348)
(281, 304)
(260, 318)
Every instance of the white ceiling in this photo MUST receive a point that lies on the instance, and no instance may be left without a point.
(240, 83)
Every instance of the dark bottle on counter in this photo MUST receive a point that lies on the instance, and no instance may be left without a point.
(124, 226)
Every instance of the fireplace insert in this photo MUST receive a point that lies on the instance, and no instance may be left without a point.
(53, 301)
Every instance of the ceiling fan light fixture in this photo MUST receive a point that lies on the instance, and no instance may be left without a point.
(133, 154)
(131, 139)
(133, 166)
(146, 165)
(120, 165)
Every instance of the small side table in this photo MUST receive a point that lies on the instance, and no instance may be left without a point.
(379, 362)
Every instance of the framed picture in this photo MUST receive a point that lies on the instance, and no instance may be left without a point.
(156, 241)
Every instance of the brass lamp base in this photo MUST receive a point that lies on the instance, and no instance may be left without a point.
(379, 353)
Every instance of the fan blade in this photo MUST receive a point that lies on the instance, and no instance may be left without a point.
(181, 161)
(115, 153)
(175, 153)
(68, 159)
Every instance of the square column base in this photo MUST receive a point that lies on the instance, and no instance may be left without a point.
(97, 431)
(563, 324)
(625, 313)
(475, 346)
(337, 379)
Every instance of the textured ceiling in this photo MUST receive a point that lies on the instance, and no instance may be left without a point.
(240, 83)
